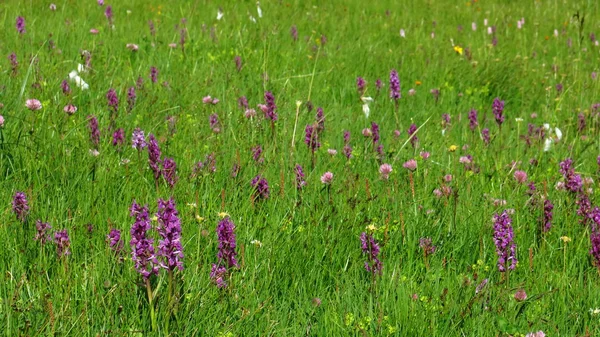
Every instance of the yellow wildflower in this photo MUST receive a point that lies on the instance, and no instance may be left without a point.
(452, 148)
(458, 49)
(223, 214)
(565, 239)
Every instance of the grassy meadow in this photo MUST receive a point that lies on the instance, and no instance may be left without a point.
(459, 200)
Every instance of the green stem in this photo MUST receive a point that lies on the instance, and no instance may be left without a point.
(152, 314)
(169, 303)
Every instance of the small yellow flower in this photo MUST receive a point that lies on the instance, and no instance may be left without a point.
(154, 218)
(298, 104)
(371, 228)
(452, 148)
(223, 214)
(199, 218)
(418, 82)
(565, 239)
(458, 49)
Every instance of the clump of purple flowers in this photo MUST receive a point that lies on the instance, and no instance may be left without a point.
(20, 206)
(394, 85)
(573, 182)
(270, 113)
(261, 187)
(485, 135)
(213, 120)
(375, 132)
(294, 33)
(142, 250)
(20, 25)
(61, 239)
(547, 219)
(114, 241)
(427, 246)
(169, 229)
(498, 109)
(66, 89)
(226, 254)
(131, 98)
(113, 100)
(257, 154)
(13, 62)
(153, 74)
(473, 123)
(109, 15)
(412, 132)
(154, 159)
(311, 138)
(370, 247)
(43, 232)
(118, 138)
(138, 140)
(169, 172)
(360, 85)
(94, 131)
(238, 63)
(320, 120)
(347, 147)
(504, 241)
(300, 182)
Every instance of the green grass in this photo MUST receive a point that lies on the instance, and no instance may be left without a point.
(310, 238)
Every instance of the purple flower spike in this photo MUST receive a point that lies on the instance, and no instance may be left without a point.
(427, 246)
(112, 99)
(320, 120)
(311, 138)
(66, 89)
(238, 63)
(20, 206)
(62, 241)
(412, 130)
(131, 98)
(142, 250)
(154, 155)
(270, 113)
(118, 137)
(138, 140)
(261, 187)
(43, 232)
(498, 109)
(114, 241)
(153, 74)
(218, 275)
(595, 237)
(485, 135)
(94, 131)
(20, 25)
(109, 15)
(573, 182)
(547, 220)
(394, 85)
(504, 241)
(294, 33)
(473, 123)
(169, 172)
(370, 247)
(375, 132)
(227, 243)
(169, 229)
(300, 182)
(360, 85)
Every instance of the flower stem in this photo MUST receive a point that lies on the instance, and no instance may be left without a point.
(152, 314)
